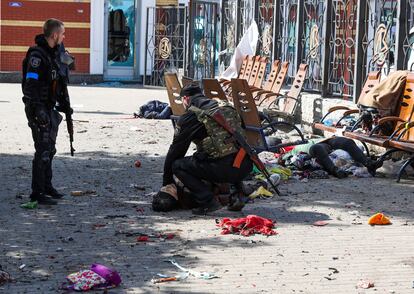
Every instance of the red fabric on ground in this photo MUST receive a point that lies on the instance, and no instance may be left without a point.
(246, 226)
(284, 150)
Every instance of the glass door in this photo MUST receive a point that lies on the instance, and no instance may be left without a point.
(120, 41)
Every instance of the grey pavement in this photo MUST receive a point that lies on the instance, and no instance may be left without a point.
(54, 241)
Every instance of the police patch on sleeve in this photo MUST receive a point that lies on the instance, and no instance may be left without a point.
(35, 62)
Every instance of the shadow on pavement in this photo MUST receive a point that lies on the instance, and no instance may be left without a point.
(55, 241)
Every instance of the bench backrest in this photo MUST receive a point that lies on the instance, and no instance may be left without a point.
(280, 78)
(249, 66)
(213, 89)
(243, 66)
(173, 89)
(271, 78)
(290, 104)
(246, 108)
(256, 78)
(406, 107)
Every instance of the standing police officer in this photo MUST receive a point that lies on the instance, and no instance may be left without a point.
(45, 78)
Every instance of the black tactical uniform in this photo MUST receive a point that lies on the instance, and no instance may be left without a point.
(214, 159)
(44, 87)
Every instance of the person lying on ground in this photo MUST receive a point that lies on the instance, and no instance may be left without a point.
(215, 160)
(320, 150)
(176, 196)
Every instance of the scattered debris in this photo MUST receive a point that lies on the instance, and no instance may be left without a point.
(379, 219)
(29, 205)
(137, 163)
(320, 223)
(352, 205)
(199, 275)
(353, 212)
(22, 266)
(163, 279)
(246, 226)
(116, 216)
(143, 239)
(83, 193)
(137, 187)
(147, 238)
(96, 226)
(82, 131)
(4, 277)
(261, 192)
(365, 284)
(150, 142)
(98, 277)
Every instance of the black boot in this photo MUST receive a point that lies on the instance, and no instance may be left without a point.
(213, 205)
(237, 202)
(54, 193)
(340, 174)
(372, 166)
(42, 199)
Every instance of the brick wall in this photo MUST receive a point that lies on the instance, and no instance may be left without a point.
(19, 25)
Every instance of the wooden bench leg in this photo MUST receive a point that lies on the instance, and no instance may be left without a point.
(406, 163)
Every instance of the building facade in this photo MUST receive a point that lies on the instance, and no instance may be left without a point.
(107, 37)
(340, 40)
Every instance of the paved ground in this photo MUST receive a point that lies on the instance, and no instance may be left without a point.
(53, 242)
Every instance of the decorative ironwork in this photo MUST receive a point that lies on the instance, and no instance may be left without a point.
(379, 35)
(165, 43)
(203, 40)
(286, 41)
(408, 40)
(245, 17)
(312, 41)
(165, 48)
(228, 31)
(342, 47)
(265, 24)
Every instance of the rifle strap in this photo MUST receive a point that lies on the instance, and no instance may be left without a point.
(239, 158)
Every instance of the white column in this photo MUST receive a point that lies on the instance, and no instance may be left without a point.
(141, 47)
(97, 37)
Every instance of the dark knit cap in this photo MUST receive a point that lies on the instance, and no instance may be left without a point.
(190, 90)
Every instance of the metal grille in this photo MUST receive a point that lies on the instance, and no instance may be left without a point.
(342, 47)
(408, 40)
(228, 31)
(203, 40)
(245, 17)
(165, 43)
(379, 35)
(312, 42)
(265, 23)
(286, 41)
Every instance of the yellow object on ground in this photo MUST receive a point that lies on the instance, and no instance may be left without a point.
(284, 172)
(261, 192)
(379, 219)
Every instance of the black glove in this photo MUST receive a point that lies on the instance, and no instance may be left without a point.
(42, 116)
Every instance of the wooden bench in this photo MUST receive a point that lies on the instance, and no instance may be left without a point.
(256, 129)
(372, 80)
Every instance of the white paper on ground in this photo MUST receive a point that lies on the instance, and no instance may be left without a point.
(246, 46)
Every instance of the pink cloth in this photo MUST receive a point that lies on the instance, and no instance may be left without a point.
(246, 226)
